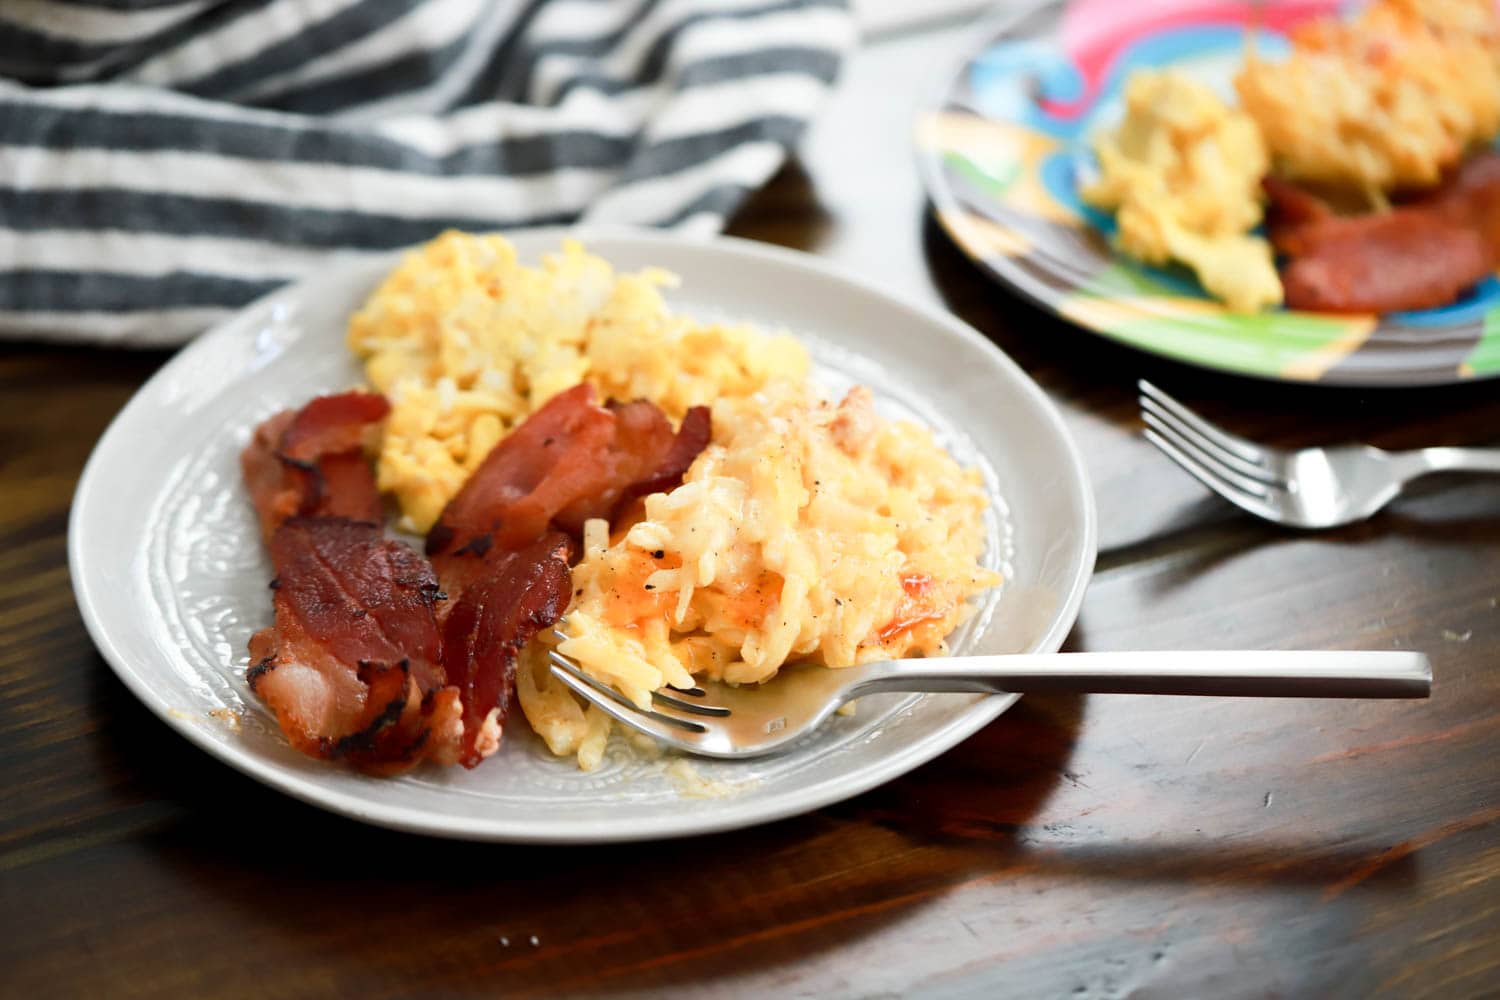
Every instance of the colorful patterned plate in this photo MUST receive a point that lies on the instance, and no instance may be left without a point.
(1007, 139)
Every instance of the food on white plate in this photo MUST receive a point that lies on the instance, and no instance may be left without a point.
(466, 342)
(808, 530)
(565, 464)
(352, 665)
(716, 525)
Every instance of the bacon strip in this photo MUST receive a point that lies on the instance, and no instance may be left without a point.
(353, 665)
(1471, 197)
(692, 437)
(567, 462)
(310, 462)
(519, 594)
(1289, 208)
(1417, 256)
(536, 470)
(360, 664)
(642, 437)
(329, 425)
(506, 570)
(1396, 261)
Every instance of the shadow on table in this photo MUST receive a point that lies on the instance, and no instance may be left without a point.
(1026, 753)
(1449, 510)
(1077, 363)
(713, 907)
(331, 898)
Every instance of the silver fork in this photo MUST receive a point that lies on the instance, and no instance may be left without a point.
(760, 719)
(1306, 488)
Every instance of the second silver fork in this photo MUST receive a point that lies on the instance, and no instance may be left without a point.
(1305, 488)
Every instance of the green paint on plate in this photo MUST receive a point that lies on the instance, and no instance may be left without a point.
(1485, 359)
(1119, 278)
(992, 183)
(1266, 343)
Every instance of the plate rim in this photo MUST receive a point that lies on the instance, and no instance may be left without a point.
(732, 815)
(978, 36)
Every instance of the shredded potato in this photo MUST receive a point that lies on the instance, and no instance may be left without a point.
(806, 531)
(1388, 99)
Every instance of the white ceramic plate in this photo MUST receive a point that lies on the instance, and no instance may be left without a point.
(171, 576)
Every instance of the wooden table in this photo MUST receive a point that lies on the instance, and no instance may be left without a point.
(1077, 847)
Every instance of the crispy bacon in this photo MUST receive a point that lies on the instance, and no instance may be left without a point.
(1289, 207)
(507, 572)
(353, 665)
(363, 663)
(1471, 197)
(310, 461)
(692, 437)
(642, 437)
(329, 425)
(1416, 256)
(567, 462)
(535, 471)
(645, 457)
(519, 594)
(1394, 261)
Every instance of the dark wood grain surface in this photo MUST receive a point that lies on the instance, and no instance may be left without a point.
(1077, 847)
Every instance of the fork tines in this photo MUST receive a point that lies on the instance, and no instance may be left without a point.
(1239, 470)
(670, 711)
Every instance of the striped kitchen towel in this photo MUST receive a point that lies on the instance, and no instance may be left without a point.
(164, 161)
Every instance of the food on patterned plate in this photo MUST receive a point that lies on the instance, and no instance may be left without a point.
(1182, 172)
(1377, 109)
(1391, 98)
(1416, 256)
(730, 517)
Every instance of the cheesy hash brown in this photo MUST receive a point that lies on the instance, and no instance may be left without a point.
(807, 529)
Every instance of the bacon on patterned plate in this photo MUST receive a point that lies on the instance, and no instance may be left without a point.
(1418, 255)
(1392, 262)
(1472, 196)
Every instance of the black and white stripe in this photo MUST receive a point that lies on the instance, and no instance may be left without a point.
(164, 161)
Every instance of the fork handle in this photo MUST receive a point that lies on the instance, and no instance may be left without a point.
(1267, 674)
(1425, 460)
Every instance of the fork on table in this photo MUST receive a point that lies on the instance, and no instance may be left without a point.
(1305, 488)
